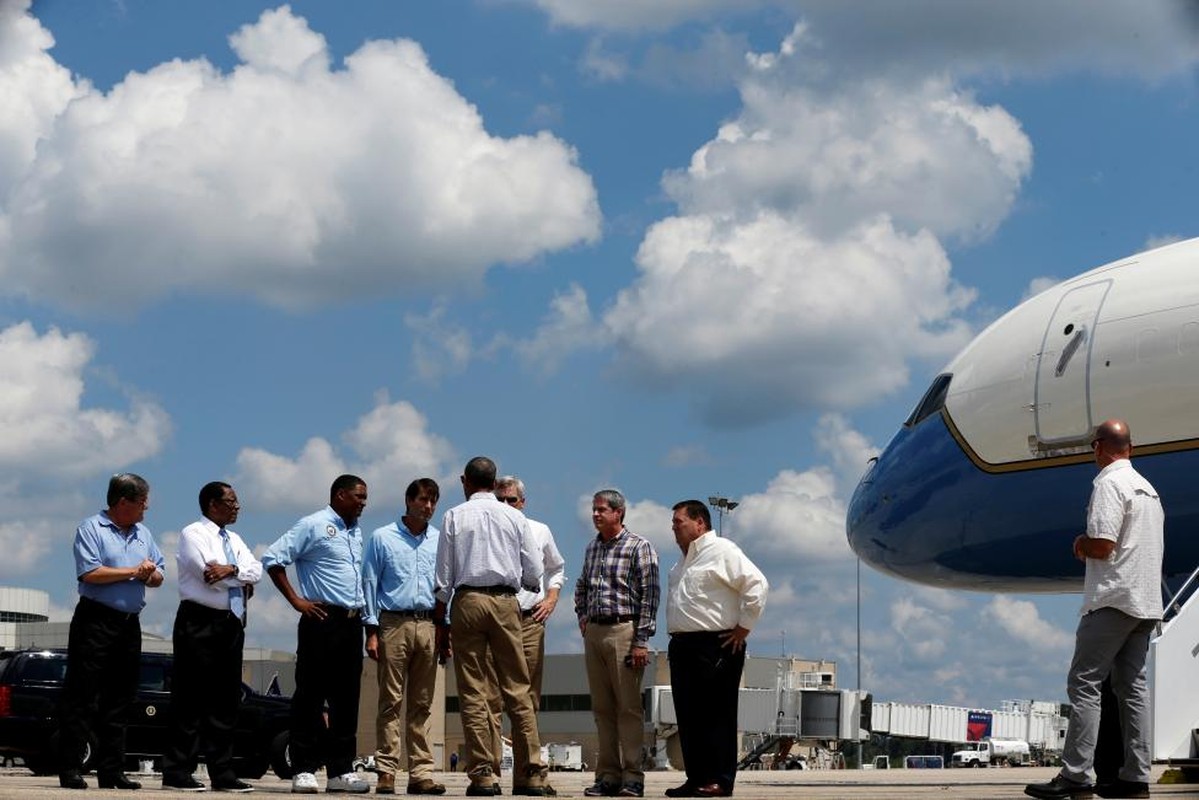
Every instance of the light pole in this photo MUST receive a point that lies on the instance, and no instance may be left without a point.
(722, 505)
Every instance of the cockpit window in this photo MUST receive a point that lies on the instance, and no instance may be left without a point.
(933, 400)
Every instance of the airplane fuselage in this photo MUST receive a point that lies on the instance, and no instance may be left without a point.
(986, 485)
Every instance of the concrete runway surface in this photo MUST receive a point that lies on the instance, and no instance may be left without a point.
(945, 784)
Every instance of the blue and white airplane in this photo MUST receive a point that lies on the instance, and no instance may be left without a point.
(986, 484)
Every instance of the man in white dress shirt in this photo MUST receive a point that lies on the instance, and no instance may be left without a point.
(535, 609)
(485, 554)
(1122, 602)
(215, 567)
(715, 597)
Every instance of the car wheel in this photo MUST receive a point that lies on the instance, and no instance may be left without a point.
(281, 755)
(46, 762)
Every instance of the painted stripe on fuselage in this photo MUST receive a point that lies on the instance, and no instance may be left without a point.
(1055, 461)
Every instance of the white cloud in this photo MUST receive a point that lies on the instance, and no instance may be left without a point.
(1161, 240)
(44, 427)
(786, 319)
(439, 347)
(26, 544)
(798, 519)
(568, 327)
(34, 89)
(849, 449)
(799, 267)
(390, 446)
(1019, 37)
(835, 158)
(1038, 285)
(1021, 620)
(634, 14)
(286, 179)
(601, 63)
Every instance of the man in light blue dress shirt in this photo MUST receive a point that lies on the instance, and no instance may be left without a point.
(326, 549)
(398, 565)
(115, 560)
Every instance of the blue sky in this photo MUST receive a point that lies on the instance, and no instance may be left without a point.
(680, 248)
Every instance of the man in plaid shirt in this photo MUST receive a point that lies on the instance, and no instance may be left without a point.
(616, 602)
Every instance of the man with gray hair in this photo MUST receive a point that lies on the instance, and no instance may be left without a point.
(535, 609)
(116, 558)
(616, 603)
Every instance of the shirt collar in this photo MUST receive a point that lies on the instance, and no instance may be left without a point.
(405, 530)
(1115, 466)
(134, 529)
(623, 532)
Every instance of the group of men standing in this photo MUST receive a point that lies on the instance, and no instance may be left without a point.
(478, 591)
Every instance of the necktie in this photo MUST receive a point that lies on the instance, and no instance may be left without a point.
(237, 599)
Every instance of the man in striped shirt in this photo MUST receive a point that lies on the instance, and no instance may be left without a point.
(616, 602)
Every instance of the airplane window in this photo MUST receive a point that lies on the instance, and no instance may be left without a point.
(933, 400)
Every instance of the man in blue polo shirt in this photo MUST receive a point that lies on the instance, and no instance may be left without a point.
(115, 560)
(326, 548)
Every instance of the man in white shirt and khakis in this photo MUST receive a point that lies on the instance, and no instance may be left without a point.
(485, 554)
(715, 597)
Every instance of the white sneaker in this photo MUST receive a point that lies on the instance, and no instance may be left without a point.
(304, 783)
(350, 782)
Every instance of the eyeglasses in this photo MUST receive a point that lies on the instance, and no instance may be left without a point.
(509, 499)
(229, 501)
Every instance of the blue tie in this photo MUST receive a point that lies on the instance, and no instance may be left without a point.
(237, 600)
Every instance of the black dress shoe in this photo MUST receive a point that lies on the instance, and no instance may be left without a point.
(116, 780)
(686, 790)
(1122, 788)
(1060, 789)
(183, 783)
(71, 779)
(231, 785)
(712, 790)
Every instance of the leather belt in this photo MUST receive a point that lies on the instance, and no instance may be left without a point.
(615, 619)
(414, 613)
(99, 609)
(500, 589)
(340, 611)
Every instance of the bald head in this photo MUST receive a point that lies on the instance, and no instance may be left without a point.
(1112, 442)
(1114, 433)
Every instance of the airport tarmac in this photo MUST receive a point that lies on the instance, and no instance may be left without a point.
(944, 784)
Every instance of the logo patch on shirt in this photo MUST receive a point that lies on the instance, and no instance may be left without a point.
(330, 531)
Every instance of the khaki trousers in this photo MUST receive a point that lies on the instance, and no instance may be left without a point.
(615, 702)
(532, 635)
(487, 627)
(407, 665)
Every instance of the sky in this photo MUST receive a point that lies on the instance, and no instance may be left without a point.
(683, 249)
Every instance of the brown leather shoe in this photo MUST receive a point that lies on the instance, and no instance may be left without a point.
(426, 786)
(386, 783)
(712, 790)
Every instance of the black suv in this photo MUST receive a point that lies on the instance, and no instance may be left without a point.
(31, 683)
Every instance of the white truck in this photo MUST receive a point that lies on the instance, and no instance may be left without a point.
(568, 757)
(1013, 752)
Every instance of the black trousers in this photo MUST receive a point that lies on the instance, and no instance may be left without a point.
(705, 681)
(104, 652)
(328, 675)
(205, 691)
